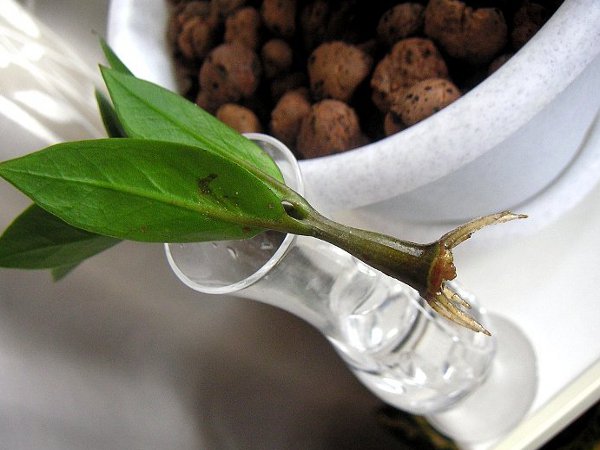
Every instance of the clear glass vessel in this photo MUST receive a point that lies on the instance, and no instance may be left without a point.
(401, 350)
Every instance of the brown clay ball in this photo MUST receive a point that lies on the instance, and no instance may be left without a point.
(270, 59)
(335, 69)
(197, 38)
(243, 26)
(238, 117)
(399, 22)
(279, 16)
(410, 61)
(277, 57)
(192, 29)
(229, 73)
(424, 99)
(330, 127)
(181, 14)
(287, 116)
(474, 35)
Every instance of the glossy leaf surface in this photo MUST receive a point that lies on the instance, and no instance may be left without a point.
(109, 117)
(112, 59)
(39, 240)
(149, 111)
(146, 190)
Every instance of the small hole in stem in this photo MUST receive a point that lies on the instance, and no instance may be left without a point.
(292, 211)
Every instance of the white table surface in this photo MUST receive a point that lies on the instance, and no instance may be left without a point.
(548, 285)
(542, 276)
(546, 282)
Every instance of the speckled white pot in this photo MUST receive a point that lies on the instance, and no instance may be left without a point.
(495, 148)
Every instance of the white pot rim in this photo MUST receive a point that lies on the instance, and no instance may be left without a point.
(455, 136)
(469, 127)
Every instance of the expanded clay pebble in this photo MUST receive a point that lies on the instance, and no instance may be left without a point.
(331, 126)
(279, 16)
(277, 57)
(410, 60)
(335, 69)
(229, 73)
(424, 99)
(239, 118)
(288, 114)
(365, 54)
(197, 37)
(474, 35)
(399, 22)
(242, 26)
(192, 29)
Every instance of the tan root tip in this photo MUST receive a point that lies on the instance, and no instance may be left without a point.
(441, 297)
(448, 304)
(465, 231)
(453, 296)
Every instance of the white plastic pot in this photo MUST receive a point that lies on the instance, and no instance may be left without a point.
(495, 148)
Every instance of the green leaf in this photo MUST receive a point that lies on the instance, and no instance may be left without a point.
(112, 59)
(39, 240)
(113, 126)
(111, 122)
(147, 190)
(149, 111)
(58, 273)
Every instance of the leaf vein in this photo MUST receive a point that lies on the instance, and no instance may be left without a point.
(160, 197)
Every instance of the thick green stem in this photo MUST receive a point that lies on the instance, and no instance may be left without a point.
(424, 267)
(406, 261)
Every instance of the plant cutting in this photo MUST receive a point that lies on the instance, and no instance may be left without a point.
(171, 172)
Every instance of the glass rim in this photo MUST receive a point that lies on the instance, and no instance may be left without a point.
(287, 242)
